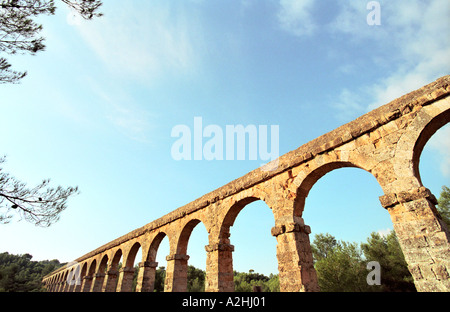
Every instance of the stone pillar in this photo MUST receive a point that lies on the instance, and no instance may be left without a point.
(176, 273)
(110, 283)
(86, 286)
(75, 280)
(146, 276)
(125, 283)
(423, 237)
(295, 261)
(59, 287)
(68, 286)
(97, 282)
(219, 268)
(77, 287)
(64, 286)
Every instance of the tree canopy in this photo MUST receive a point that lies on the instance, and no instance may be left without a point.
(444, 205)
(342, 266)
(18, 273)
(20, 33)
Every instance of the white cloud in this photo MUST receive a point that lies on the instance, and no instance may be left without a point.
(144, 43)
(121, 110)
(132, 122)
(384, 232)
(413, 50)
(348, 104)
(295, 16)
(411, 32)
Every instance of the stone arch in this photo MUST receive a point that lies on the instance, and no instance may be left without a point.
(311, 178)
(230, 214)
(183, 238)
(103, 265)
(219, 268)
(83, 272)
(111, 271)
(71, 278)
(89, 269)
(427, 132)
(126, 272)
(131, 255)
(147, 268)
(65, 285)
(315, 174)
(77, 277)
(423, 236)
(421, 125)
(115, 259)
(154, 245)
(92, 268)
(177, 262)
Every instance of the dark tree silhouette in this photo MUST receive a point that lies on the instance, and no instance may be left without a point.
(19, 33)
(40, 205)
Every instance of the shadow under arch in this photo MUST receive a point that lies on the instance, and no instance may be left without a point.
(92, 268)
(103, 266)
(154, 246)
(130, 257)
(115, 260)
(197, 252)
(155, 277)
(84, 269)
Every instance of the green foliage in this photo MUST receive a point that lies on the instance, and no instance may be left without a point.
(19, 274)
(245, 282)
(444, 205)
(341, 266)
(159, 279)
(394, 270)
(196, 279)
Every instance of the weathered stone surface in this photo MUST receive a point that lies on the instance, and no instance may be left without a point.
(386, 142)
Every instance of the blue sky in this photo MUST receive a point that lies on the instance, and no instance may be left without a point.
(97, 109)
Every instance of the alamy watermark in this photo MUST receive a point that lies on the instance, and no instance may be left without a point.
(374, 16)
(234, 142)
(374, 276)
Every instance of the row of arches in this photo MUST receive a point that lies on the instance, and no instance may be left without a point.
(285, 195)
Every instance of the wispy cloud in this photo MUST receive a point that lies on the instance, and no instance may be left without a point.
(384, 232)
(144, 43)
(295, 17)
(413, 50)
(409, 31)
(133, 123)
(348, 104)
(120, 110)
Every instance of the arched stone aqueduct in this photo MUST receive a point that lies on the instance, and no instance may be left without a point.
(387, 142)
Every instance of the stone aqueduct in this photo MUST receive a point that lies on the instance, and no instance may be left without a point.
(387, 142)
